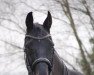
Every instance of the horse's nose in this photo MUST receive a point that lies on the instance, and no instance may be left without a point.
(41, 69)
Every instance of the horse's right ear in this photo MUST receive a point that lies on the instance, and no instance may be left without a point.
(29, 21)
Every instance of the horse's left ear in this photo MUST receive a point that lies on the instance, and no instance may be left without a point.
(48, 22)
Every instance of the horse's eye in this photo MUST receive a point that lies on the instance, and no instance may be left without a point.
(27, 38)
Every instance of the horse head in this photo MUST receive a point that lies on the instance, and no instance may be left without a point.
(39, 46)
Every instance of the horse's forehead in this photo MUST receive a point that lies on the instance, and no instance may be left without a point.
(38, 30)
(38, 27)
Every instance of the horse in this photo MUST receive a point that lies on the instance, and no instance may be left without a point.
(40, 55)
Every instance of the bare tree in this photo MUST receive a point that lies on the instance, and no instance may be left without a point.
(8, 15)
(85, 63)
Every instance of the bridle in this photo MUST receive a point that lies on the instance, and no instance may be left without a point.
(41, 59)
(38, 38)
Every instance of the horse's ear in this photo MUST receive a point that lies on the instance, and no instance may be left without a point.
(29, 21)
(48, 22)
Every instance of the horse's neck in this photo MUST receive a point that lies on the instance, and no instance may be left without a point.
(57, 57)
(57, 65)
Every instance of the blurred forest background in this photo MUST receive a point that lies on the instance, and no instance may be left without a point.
(72, 32)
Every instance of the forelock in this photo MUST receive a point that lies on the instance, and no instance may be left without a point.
(38, 29)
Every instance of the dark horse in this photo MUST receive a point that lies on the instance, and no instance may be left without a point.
(41, 57)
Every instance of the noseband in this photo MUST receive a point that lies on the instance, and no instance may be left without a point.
(45, 60)
(41, 59)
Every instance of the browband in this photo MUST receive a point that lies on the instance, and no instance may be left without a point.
(39, 38)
